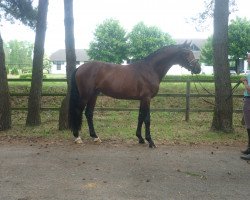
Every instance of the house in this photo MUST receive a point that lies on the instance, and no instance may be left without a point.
(58, 60)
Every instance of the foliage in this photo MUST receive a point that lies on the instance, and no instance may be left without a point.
(19, 54)
(47, 64)
(239, 41)
(239, 38)
(25, 76)
(19, 10)
(29, 76)
(109, 44)
(203, 19)
(144, 40)
(14, 71)
(207, 52)
(199, 77)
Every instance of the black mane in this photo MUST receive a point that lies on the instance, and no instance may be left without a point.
(151, 55)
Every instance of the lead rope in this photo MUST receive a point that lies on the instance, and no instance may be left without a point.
(211, 103)
(233, 90)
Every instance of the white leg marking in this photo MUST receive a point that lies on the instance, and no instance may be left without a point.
(78, 140)
(97, 140)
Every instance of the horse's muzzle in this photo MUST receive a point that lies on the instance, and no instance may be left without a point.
(195, 67)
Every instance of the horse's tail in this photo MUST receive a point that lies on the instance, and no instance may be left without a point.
(75, 113)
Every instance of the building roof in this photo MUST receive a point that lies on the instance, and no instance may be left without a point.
(60, 55)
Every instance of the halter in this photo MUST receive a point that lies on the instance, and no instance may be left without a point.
(193, 61)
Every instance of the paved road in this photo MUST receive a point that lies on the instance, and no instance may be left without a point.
(34, 171)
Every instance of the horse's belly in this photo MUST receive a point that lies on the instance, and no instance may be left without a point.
(121, 94)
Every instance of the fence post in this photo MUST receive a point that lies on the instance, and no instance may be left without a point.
(187, 100)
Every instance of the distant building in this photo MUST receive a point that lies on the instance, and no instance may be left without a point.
(58, 60)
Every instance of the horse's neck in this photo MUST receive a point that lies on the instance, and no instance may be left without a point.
(161, 63)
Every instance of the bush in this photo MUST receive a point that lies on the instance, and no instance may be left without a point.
(199, 77)
(29, 76)
(14, 71)
(25, 76)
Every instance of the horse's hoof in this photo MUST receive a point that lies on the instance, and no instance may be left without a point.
(152, 146)
(78, 140)
(97, 140)
(141, 141)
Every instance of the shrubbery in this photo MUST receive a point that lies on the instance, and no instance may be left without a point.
(28, 76)
(198, 77)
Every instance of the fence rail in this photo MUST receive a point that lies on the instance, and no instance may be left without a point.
(188, 95)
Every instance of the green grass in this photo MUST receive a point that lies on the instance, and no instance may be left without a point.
(166, 127)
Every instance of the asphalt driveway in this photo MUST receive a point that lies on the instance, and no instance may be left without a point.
(110, 171)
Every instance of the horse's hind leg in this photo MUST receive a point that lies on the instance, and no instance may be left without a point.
(78, 123)
(89, 115)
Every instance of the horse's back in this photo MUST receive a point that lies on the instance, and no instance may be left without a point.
(107, 78)
(118, 81)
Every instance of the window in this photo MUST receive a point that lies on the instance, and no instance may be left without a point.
(58, 64)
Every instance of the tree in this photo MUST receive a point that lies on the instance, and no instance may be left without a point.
(5, 111)
(223, 111)
(70, 59)
(18, 10)
(207, 52)
(239, 40)
(19, 54)
(34, 101)
(144, 40)
(109, 43)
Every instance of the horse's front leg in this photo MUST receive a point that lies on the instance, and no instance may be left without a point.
(145, 112)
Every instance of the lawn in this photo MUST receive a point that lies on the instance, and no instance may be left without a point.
(166, 127)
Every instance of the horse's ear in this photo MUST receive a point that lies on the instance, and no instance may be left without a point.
(186, 44)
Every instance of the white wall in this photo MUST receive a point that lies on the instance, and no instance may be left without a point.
(63, 68)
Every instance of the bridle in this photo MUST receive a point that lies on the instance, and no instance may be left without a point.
(193, 62)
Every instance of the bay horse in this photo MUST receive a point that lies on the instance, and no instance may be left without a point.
(137, 81)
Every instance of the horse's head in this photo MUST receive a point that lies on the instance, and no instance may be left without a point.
(186, 59)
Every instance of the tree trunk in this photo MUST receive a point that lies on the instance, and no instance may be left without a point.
(223, 112)
(5, 108)
(34, 102)
(70, 59)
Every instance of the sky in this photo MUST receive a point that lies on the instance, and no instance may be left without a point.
(170, 16)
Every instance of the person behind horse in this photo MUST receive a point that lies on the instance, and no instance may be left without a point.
(246, 113)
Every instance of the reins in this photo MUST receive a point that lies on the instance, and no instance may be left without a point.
(232, 91)
(211, 103)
